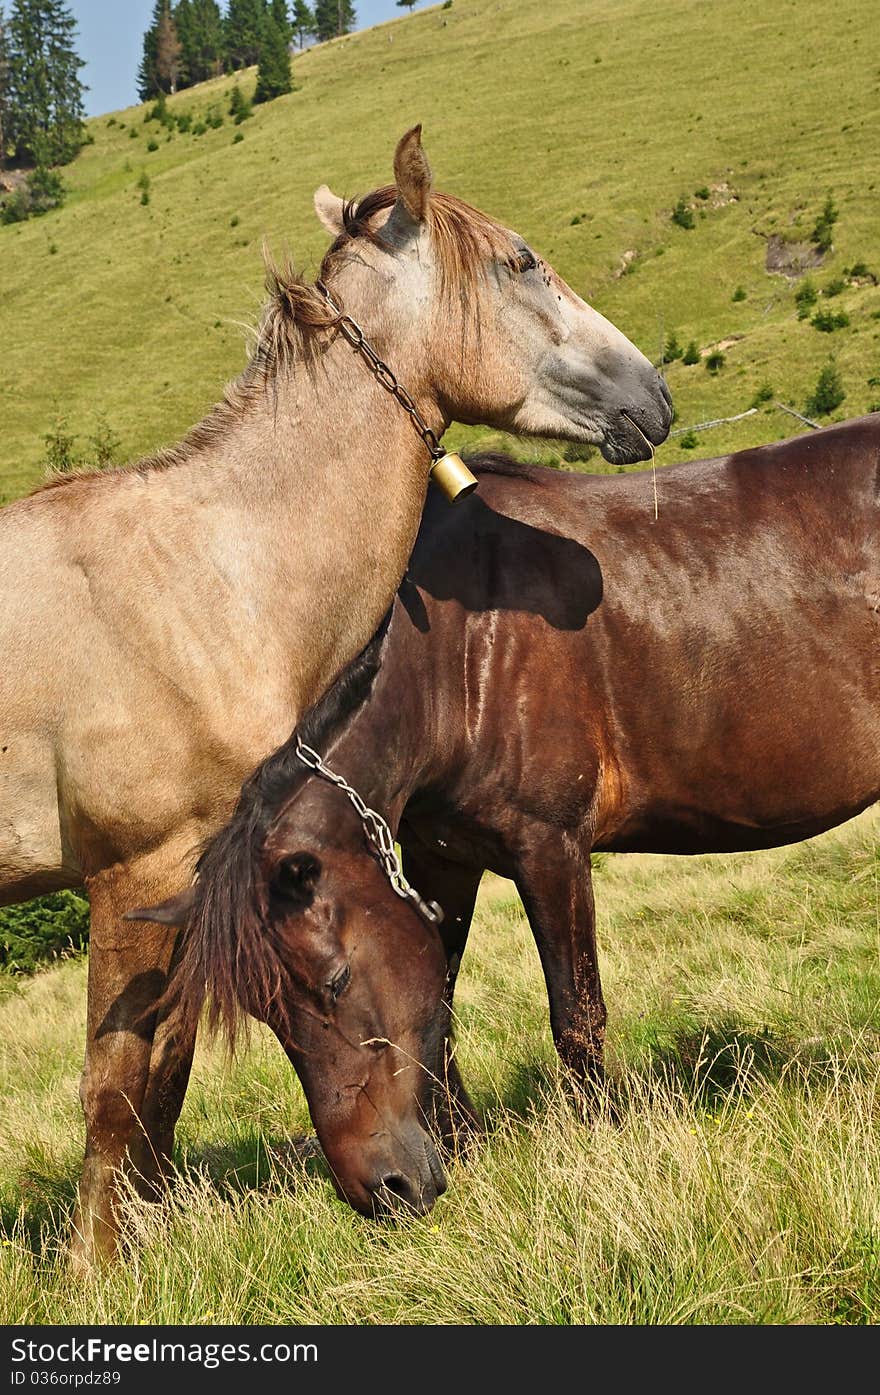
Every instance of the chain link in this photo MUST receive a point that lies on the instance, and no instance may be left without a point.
(382, 372)
(378, 833)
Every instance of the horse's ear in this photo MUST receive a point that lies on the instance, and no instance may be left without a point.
(175, 911)
(412, 175)
(328, 207)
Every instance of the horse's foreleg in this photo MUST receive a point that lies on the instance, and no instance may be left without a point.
(554, 881)
(454, 888)
(134, 1076)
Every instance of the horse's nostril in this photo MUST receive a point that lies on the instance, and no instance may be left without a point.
(396, 1185)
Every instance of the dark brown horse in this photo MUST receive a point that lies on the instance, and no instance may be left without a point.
(561, 673)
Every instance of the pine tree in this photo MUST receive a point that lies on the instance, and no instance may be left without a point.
(148, 72)
(199, 25)
(333, 17)
(408, 3)
(281, 18)
(303, 22)
(244, 24)
(44, 92)
(273, 76)
(167, 50)
(4, 88)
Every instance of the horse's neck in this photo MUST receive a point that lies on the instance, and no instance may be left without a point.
(388, 747)
(317, 493)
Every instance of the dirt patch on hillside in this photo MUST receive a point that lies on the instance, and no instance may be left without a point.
(721, 345)
(791, 259)
(626, 261)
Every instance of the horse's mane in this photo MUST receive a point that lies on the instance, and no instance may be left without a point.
(228, 944)
(297, 313)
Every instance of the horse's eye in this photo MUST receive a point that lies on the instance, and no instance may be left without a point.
(526, 261)
(340, 982)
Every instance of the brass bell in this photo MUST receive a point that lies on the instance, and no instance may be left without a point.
(450, 474)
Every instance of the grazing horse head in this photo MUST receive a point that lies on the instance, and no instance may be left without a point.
(293, 922)
(487, 331)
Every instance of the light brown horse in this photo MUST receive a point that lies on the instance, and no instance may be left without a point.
(163, 625)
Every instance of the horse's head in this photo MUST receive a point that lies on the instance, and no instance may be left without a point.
(302, 930)
(485, 329)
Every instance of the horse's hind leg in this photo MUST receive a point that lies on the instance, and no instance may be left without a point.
(454, 888)
(555, 883)
(134, 1077)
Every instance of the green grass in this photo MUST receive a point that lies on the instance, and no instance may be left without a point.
(582, 132)
(733, 1175)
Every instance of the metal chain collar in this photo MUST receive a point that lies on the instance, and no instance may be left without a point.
(378, 833)
(385, 376)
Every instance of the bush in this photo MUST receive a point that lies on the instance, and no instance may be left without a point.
(238, 137)
(60, 447)
(199, 128)
(821, 234)
(234, 221)
(829, 320)
(715, 361)
(689, 440)
(152, 145)
(691, 354)
(144, 185)
(739, 294)
(835, 286)
(184, 122)
(828, 392)
(859, 271)
(805, 298)
(682, 215)
(672, 349)
(702, 193)
(105, 444)
(764, 394)
(240, 109)
(43, 930)
(43, 191)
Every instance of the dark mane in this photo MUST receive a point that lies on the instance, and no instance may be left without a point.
(228, 946)
(296, 313)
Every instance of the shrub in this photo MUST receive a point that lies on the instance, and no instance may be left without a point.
(828, 392)
(239, 136)
(42, 191)
(40, 931)
(829, 320)
(240, 109)
(805, 298)
(132, 135)
(715, 361)
(144, 185)
(234, 221)
(702, 193)
(682, 215)
(105, 444)
(859, 271)
(821, 234)
(672, 349)
(60, 447)
(835, 286)
(689, 440)
(184, 122)
(691, 354)
(215, 119)
(739, 294)
(152, 145)
(199, 128)
(763, 394)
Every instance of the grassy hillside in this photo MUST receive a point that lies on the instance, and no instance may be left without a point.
(734, 1175)
(580, 123)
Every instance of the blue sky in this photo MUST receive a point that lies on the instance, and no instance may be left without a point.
(110, 34)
